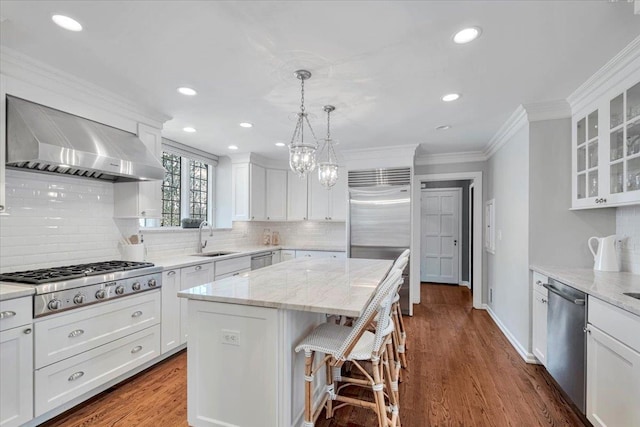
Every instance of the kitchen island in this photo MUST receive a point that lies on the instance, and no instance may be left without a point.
(241, 366)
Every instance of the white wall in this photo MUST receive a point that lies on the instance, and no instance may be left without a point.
(628, 228)
(223, 193)
(55, 220)
(558, 235)
(508, 269)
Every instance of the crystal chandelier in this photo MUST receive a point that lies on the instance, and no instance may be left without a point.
(328, 170)
(302, 155)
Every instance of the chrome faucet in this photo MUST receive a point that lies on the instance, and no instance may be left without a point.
(201, 245)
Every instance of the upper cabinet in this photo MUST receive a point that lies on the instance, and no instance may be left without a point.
(296, 197)
(141, 199)
(258, 194)
(606, 151)
(328, 205)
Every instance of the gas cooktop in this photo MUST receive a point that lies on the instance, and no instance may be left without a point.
(57, 274)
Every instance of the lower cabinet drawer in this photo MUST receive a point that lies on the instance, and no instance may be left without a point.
(67, 334)
(15, 312)
(237, 273)
(232, 265)
(63, 381)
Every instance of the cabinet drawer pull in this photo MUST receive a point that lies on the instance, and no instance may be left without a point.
(76, 375)
(76, 333)
(136, 349)
(7, 314)
(143, 213)
(27, 331)
(198, 267)
(136, 314)
(236, 274)
(171, 273)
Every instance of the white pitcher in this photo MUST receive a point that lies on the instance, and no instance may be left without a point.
(605, 258)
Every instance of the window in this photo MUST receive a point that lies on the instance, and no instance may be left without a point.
(198, 189)
(188, 185)
(171, 190)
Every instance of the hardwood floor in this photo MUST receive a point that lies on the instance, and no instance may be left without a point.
(462, 372)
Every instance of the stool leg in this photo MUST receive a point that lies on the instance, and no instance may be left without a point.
(378, 392)
(392, 387)
(391, 373)
(402, 347)
(308, 386)
(330, 390)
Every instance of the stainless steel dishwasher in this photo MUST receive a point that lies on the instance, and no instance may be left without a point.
(261, 260)
(566, 340)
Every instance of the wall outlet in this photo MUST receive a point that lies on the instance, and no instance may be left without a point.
(490, 295)
(230, 337)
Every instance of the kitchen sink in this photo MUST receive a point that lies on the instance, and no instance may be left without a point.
(635, 295)
(215, 254)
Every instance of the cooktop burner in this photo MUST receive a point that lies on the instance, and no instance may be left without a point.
(57, 274)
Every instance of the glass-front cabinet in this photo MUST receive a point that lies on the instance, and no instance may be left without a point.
(606, 151)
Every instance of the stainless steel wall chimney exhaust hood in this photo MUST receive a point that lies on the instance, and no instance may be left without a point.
(42, 139)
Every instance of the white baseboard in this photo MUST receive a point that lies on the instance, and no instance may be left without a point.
(465, 283)
(526, 356)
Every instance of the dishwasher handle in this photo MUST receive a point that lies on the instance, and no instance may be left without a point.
(577, 301)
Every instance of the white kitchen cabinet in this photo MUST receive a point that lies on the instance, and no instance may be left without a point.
(70, 378)
(277, 257)
(613, 365)
(189, 277)
(321, 254)
(230, 267)
(297, 192)
(287, 255)
(76, 331)
(328, 205)
(174, 310)
(16, 364)
(248, 194)
(141, 199)
(276, 191)
(606, 149)
(539, 324)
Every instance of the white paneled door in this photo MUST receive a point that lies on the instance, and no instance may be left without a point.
(440, 236)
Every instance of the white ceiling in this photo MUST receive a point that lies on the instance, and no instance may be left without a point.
(383, 64)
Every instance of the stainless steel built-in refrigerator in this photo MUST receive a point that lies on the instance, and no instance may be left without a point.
(379, 224)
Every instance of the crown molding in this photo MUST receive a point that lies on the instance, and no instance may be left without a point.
(514, 123)
(380, 157)
(29, 70)
(449, 158)
(614, 71)
(551, 110)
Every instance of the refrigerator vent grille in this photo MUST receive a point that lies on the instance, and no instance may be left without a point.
(380, 177)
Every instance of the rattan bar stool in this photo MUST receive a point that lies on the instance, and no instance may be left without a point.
(401, 333)
(355, 344)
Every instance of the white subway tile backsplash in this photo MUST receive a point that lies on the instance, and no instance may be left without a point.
(628, 229)
(55, 220)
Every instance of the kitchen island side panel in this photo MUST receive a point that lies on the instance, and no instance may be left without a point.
(241, 365)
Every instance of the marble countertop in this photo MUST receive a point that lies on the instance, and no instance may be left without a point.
(181, 260)
(607, 286)
(331, 286)
(13, 290)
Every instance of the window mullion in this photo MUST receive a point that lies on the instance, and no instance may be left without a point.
(184, 188)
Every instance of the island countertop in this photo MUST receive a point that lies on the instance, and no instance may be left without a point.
(331, 286)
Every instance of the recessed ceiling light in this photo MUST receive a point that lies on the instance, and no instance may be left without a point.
(443, 127)
(187, 91)
(246, 125)
(189, 129)
(67, 23)
(280, 144)
(232, 147)
(450, 97)
(467, 35)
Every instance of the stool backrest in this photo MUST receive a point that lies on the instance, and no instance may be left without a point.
(404, 257)
(384, 289)
(384, 312)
